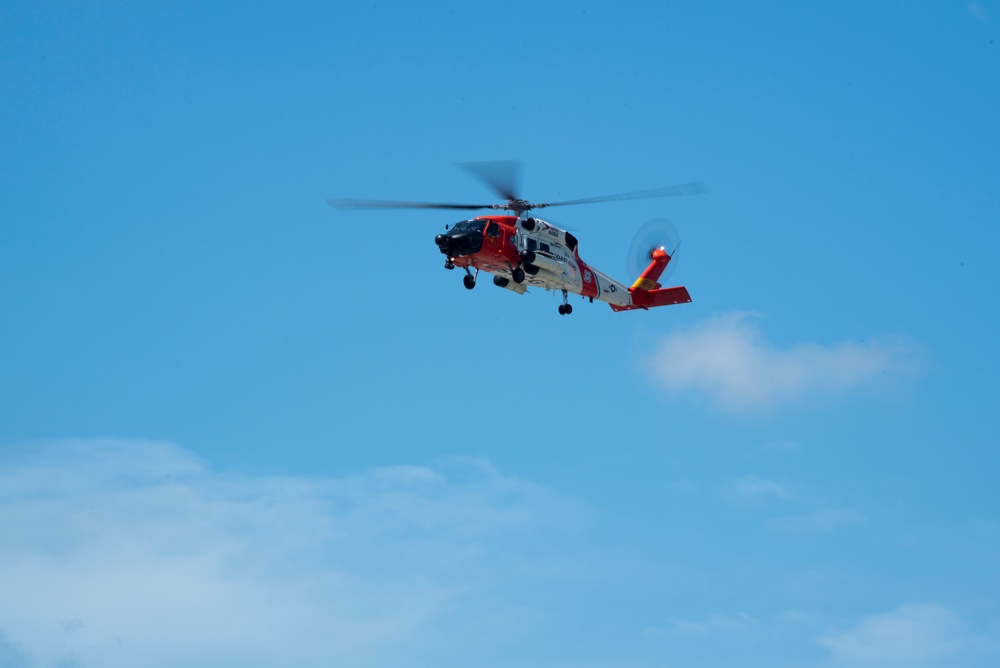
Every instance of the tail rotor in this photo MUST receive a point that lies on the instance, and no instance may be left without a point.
(657, 233)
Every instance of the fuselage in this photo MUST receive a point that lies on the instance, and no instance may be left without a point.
(548, 257)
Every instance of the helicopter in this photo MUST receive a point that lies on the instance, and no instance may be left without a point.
(523, 251)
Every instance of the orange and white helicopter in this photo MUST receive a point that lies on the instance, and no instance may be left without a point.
(522, 251)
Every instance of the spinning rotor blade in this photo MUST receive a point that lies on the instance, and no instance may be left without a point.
(655, 233)
(695, 188)
(343, 204)
(503, 176)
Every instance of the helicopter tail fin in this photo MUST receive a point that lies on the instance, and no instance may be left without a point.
(647, 279)
(647, 293)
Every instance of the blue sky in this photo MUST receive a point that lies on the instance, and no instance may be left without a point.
(238, 427)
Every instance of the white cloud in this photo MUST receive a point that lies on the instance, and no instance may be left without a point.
(135, 553)
(727, 359)
(911, 635)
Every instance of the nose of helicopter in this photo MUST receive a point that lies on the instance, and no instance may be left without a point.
(459, 242)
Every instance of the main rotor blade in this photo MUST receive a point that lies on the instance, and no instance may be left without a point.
(503, 176)
(695, 188)
(343, 204)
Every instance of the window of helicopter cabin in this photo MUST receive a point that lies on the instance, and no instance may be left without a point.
(532, 244)
(544, 247)
(492, 229)
(477, 225)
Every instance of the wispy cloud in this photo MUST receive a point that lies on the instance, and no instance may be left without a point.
(712, 624)
(978, 12)
(135, 553)
(910, 635)
(754, 487)
(786, 445)
(789, 509)
(727, 359)
(11, 656)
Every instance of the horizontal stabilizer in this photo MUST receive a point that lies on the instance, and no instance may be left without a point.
(646, 299)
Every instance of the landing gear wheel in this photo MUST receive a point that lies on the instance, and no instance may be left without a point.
(518, 275)
(469, 280)
(448, 264)
(564, 308)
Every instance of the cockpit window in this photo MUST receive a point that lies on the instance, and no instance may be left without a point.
(492, 229)
(473, 226)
